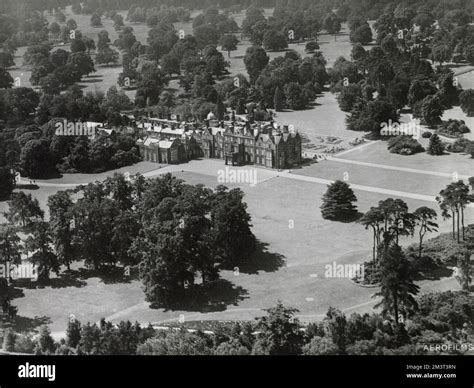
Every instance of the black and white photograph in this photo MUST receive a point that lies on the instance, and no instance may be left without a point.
(237, 180)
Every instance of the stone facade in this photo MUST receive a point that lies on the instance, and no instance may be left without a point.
(239, 143)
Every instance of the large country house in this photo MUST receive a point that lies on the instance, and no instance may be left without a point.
(237, 142)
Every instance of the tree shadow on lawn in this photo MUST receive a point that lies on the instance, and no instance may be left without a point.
(27, 187)
(77, 278)
(91, 81)
(428, 269)
(63, 280)
(348, 220)
(213, 297)
(19, 323)
(435, 273)
(262, 260)
(111, 275)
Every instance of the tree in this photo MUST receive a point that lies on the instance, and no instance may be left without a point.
(126, 39)
(296, 98)
(60, 17)
(464, 272)
(278, 332)
(436, 147)
(231, 226)
(452, 201)
(40, 243)
(78, 45)
(46, 345)
(6, 80)
(175, 343)
(348, 96)
(151, 83)
(430, 110)
(62, 224)
(320, 346)
(335, 322)
(367, 116)
(71, 24)
(311, 46)
(397, 286)
(419, 89)
(374, 219)
(469, 53)
(95, 20)
(332, 24)
(362, 34)
(73, 333)
(9, 339)
(231, 348)
(274, 41)
(338, 202)
(118, 22)
(107, 56)
(36, 159)
(54, 28)
(7, 182)
(228, 43)
(220, 108)
(21, 102)
(82, 64)
(206, 35)
(278, 100)
(425, 218)
(23, 210)
(215, 63)
(255, 60)
(6, 60)
(466, 98)
(441, 53)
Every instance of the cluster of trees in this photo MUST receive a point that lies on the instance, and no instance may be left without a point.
(360, 31)
(189, 233)
(196, 61)
(290, 22)
(171, 233)
(285, 82)
(398, 70)
(442, 318)
(34, 149)
(56, 70)
(453, 201)
(106, 54)
(391, 220)
(150, 16)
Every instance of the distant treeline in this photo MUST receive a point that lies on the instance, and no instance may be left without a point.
(9, 6)
(371, 9)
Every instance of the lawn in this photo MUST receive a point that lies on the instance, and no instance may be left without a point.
(449, 163)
